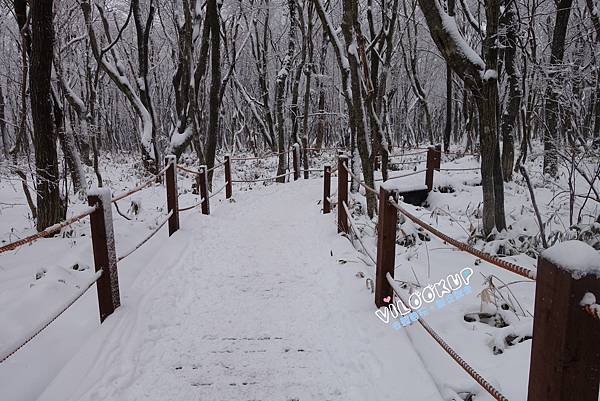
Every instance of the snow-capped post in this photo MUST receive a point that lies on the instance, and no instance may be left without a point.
(434, 157)
(386, 247)
(326, 188)
(565, 352)
(377, 162)
(342, 193)
(103, 245)
(171, 183)
(296, 161)
(228, 184)
(202, 181)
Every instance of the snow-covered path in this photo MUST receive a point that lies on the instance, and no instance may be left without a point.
(247, 304)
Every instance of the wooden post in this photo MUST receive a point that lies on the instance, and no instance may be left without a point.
(172, 202)
(342, 193)
(434, 157)
(386, 247)
(305, 162)
(202, 181)
(296, 161)
(105, 258)
(565, 352)
(228, 184)
(326, 188)
(437, 157)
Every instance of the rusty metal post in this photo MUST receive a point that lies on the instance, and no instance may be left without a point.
(342, 193)
(171, 184)
(202, 182)
(228, 184)
(326, 188)
(105, 258)
(296, 160)
(565, 352)
(386, 247)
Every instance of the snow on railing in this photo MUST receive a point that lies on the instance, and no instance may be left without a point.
(559, 325)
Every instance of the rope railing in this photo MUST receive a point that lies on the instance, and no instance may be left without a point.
(402, 176)
(48, 231)
(139, 187)
(44, 324)
(184, 209)
(421, 151)
(362, 184)
(187, 170)
(449, 350)
(219, 190)
(147, 238)
(408, 161)
(357, 235)
(264, 179)
(522, 271)
(216, 166)
(261, 157)
(460, 169)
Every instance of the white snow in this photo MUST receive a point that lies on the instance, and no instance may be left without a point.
(218, 304)
(248, 302)
(576, 257)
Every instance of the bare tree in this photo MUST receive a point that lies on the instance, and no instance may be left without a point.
(49, 203)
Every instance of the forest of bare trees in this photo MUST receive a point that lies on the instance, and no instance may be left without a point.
(82, 79)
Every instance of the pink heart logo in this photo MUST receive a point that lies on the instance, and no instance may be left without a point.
(387, 299)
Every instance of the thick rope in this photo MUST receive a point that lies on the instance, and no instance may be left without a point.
(139, 187)
(460, 169)
(152, 233)
(219, 190)
(187, 170)
(402, 176)
(48, 231)
(457, 358)
(48, 322)
(521, 271)
(215, 167)
(191, 207)
(365, 186)
(265, 179)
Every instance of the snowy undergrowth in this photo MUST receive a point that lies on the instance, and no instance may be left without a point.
(492, 327)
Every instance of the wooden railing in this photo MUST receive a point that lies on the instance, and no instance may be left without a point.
(565, 353)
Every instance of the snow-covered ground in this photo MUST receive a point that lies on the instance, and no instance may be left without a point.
(263, 292)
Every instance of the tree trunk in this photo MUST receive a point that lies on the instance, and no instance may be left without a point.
(282, 76)
(321, 119)
(554, 88)
(509, 117)
(213, 18)
(357, 116)
(448, 127)
(3, 129)
(49, 204)
(143, 38)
